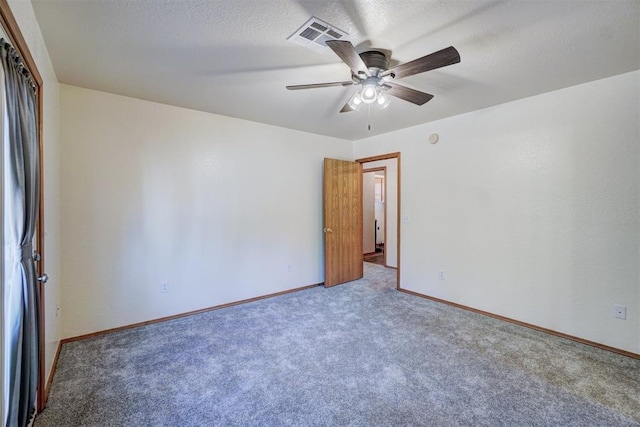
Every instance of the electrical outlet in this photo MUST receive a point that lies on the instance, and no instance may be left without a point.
(289, 268)
(164, 287)
(620, 312)
(441, 275)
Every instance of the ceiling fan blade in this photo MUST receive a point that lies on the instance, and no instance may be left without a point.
(408, 94)
(349, 56)
(441, 58)
(317, 85)
(347, 107)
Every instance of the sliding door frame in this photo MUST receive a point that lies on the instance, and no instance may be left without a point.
(10, 26)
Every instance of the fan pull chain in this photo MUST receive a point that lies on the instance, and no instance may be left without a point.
(369, 109)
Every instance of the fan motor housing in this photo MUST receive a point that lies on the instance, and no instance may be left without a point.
(375, 59)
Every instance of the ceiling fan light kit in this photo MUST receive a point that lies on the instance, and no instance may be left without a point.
(370, 95)
(370, 71)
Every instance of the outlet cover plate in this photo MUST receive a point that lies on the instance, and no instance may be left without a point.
(620, 312)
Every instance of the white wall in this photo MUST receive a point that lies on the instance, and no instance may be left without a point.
(391, 204)
(368, 212)
(531, 208)
(216, 206)
(25, 17)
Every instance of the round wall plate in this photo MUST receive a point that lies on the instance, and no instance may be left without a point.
(433, 138)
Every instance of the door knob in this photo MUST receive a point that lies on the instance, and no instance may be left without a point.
(328, 230)
(43, 279)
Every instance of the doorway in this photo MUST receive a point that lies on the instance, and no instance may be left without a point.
(374, 215)
(387, 166)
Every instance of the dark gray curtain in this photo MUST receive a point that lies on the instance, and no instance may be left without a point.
(22, 188)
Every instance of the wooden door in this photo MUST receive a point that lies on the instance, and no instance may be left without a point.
(342, 221)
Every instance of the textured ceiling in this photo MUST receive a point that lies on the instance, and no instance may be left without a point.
(232, 57)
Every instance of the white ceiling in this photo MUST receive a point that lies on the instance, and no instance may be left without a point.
(232, 57)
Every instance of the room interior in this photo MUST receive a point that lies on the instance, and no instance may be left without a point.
(180, 173)
(374, 214)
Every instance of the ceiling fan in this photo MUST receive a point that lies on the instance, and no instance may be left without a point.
(370, 70)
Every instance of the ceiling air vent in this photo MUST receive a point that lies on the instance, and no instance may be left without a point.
(314, 33)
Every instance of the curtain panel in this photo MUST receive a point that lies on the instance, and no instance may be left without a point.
(21, 195)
